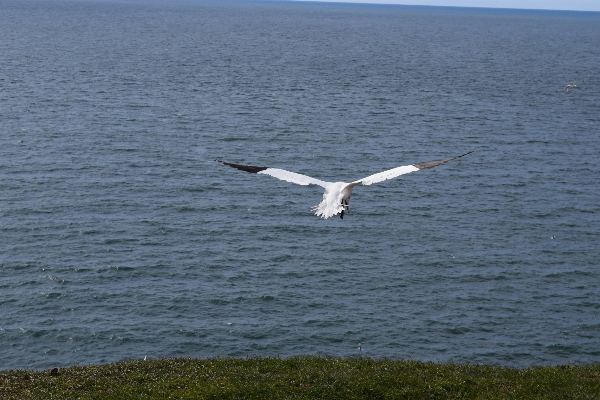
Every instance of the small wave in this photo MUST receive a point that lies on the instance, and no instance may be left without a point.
(556, 275)
(117, 241)
(53, 295)
(185, 209)
(458, 330)
(119, 268)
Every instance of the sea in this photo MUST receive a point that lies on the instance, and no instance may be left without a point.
(121, 238)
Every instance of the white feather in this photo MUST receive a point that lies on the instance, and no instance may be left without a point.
(332, 201)
(389, 174)
(293, 177)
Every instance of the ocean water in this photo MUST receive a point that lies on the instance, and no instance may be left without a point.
(120, 237)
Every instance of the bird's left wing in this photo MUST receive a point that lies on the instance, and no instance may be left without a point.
(395, 172)
(282, 174)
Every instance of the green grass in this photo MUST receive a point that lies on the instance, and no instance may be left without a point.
(301, 378)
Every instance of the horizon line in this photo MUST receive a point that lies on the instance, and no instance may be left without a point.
(397, 3)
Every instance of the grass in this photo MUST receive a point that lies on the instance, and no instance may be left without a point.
(301, 378)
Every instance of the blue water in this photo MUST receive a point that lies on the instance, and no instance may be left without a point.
(120, 237)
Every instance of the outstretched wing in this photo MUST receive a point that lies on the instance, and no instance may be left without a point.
(282, 174)
(395, 172)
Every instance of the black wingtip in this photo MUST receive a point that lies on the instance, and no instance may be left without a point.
(472, 151)
(433, 164)
(248, 168)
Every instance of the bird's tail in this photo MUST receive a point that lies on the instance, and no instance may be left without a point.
(330, 206)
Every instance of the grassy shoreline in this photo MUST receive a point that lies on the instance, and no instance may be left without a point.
(301, 378)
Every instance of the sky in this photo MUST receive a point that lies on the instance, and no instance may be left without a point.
(578, 5)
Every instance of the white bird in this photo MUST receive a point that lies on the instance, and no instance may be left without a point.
(570, 86)
(337, 194)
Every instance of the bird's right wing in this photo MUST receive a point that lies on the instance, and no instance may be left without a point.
(395, 172)
(385, 175)
(282, 174)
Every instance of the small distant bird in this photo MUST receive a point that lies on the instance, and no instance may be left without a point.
(55, 371)
(145, 357)
(359, 347)
(337, 194)
(571, 85)
(553, 237)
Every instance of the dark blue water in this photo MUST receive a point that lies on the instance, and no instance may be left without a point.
(120, 237)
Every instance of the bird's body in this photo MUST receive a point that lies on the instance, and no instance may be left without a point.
(337, 194)
(570, 86)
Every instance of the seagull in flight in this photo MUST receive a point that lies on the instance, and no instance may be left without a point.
(337, 194)
(570, 86)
